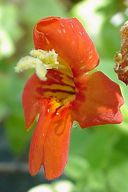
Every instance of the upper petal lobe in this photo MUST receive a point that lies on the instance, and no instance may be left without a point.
(70, 41)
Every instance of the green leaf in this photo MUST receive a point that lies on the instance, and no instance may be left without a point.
(96, 182)
(77, 168)
(118, 178)
(99, 146)
(33, 11)
(8, 22)
(79, 135)
(16, 134)
(3, 111)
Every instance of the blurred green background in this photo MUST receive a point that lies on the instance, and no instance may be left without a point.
(98, 158)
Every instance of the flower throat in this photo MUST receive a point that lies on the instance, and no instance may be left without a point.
(56, 77)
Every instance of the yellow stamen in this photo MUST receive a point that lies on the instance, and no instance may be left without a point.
(61, 91)
(47, 57)
(39, 60)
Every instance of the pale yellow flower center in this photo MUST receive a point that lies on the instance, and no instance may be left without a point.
(39, 60)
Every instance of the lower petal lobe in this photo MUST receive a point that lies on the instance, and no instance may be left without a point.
(57, 144)
(98, 101)
(30, 100)
(38, 139)
(50, 140)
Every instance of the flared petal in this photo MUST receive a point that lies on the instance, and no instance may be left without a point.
(98, 101)
(38, 139)
(30, 100)
(57, 144)
(70, 40)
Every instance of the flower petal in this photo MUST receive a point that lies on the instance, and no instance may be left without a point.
(37, 142)
(30, 101)
(70, 40)
(98, 101)
(56, 144)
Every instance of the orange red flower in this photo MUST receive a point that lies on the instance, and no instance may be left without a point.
(69, 93)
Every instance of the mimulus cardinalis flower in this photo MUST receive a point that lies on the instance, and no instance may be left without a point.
(63, 90)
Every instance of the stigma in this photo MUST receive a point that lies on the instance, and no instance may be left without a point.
(40, 61)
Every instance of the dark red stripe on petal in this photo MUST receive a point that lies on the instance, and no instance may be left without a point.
(55, 90)
(58, 83)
